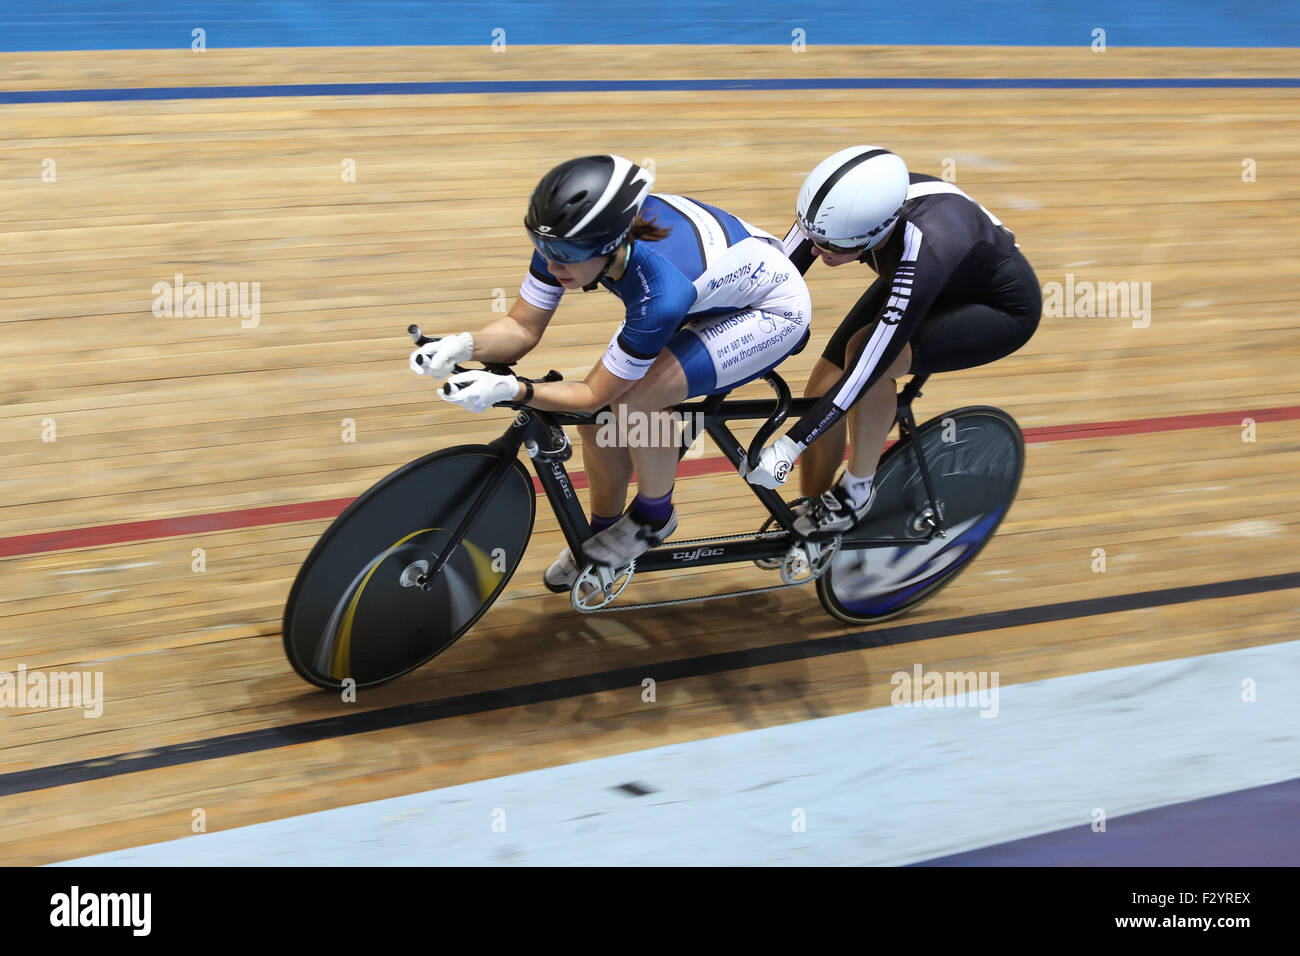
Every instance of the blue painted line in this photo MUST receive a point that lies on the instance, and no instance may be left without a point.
(614, 86)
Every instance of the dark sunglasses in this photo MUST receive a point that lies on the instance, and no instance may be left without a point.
(830, 246)
(847, 250)
(839, 250)
(566, 251)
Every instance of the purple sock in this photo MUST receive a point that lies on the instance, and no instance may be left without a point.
(599, 524)
(654, 512)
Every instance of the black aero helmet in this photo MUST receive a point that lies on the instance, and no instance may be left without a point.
(584, 208)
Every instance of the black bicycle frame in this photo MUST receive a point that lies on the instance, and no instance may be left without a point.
(542, 434)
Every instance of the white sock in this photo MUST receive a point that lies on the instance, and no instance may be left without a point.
(857, 487)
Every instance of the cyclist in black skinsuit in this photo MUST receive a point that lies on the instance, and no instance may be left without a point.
(954, 291)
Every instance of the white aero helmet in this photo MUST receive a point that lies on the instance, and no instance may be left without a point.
(850, 200)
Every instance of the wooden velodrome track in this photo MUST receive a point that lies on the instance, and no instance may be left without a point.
(191, 424)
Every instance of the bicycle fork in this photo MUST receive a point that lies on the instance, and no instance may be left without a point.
(933, 515)
(481, 498)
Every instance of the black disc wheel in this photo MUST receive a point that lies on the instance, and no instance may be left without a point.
(975, 456)
(366, 606)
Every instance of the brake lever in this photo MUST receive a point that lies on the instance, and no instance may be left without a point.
(420, 339)
(417, 336)
(457, 369)
(497, 368)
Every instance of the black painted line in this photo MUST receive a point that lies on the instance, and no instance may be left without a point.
(270, 738)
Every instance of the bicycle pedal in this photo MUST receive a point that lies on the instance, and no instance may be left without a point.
(597, 585)
(808, 561)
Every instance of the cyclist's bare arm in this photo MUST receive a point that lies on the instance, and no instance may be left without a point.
(512, 336)
(517, 333)
(600, 387)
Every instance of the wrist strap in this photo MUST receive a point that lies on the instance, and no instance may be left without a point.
(528, 391)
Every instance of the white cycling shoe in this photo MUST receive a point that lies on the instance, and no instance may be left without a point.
(632, 540)
(559, 577)
(833, 511)
(625, 539)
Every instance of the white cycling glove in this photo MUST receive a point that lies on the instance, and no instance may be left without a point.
(774, 463)
(441, 357)
(477, 390)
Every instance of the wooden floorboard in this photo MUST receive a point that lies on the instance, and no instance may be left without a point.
(163, 418)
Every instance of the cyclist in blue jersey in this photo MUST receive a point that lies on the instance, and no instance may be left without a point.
(709, 303)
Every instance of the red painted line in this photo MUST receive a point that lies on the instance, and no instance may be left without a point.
(1142, 426)
(169, 527)
(690, 468)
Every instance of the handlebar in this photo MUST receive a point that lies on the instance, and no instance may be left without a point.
(776, 419)
(774, 422)
(494, 367)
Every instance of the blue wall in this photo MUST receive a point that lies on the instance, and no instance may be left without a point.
(155, 24)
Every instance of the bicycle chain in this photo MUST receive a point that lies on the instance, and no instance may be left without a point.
(692, 542)
(693, 600)
(759, 536)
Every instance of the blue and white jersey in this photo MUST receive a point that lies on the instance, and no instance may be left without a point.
(711, 263)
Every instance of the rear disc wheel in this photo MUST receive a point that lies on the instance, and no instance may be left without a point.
(975, 457)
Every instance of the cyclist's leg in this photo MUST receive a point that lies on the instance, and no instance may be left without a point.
(609, 472)
(711, 355)
(869, 421)
(957, 335)
(646, 431)
(871, 418)
(653, 449)
(821, 460)
(969, 335)
(951, 337)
